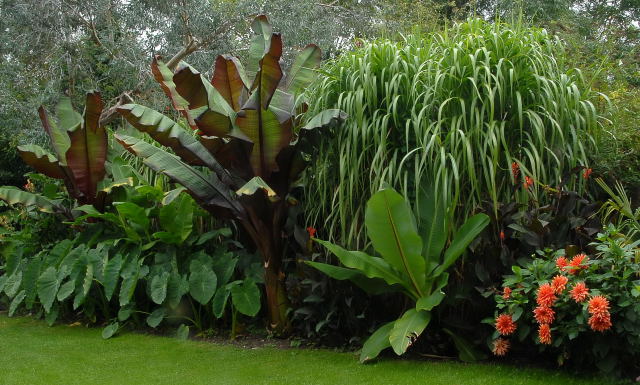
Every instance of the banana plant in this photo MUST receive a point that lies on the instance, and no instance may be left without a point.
(79, 153)
(412, 261)
(249, 136)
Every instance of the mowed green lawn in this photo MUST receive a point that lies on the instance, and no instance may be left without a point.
(32, 353)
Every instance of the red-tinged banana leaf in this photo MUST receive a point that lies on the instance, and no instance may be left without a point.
(268, 136)
(88, 151)
(232, 154)
(303, 70)
(255, 184)
(206, 189)
(59, 137)
(163, 75)
(170, 134)
(43, 161)
(68, 118)
(13, 195)
(230, 80)
(259, 43)
(268, 77)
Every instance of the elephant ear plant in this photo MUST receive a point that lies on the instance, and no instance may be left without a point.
(79, 153)
(249, 137)
(413, 261)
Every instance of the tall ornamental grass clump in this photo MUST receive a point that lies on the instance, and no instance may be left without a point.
(485, 111)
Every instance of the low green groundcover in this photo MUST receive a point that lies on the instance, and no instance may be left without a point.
(33, 353)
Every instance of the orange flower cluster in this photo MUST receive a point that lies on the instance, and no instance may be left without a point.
(515, 170)
(600, 319)
(562, 263)
(544, 334)
(528, 182)
(577, 264)
(506, 292)
(500, 347)
(587, 173)
(505, 324)
(546, 295)
(559, 283)
(580, 292)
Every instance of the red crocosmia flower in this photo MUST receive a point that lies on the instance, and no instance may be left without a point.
(577, 263)
(515, 171)
(528, 182)
(506, 292)
(500, 347)
(544, 334)
(562, 263)
(501, 236)
(587, 173)
(546, 295)
(544, 314)
(559, 283)
(505, 324)
(311, 231)
(580, 292)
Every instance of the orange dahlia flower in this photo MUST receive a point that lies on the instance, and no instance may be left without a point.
(598, 305)
(600, 322)
(559, 283)
(562, 263)
(506, 292)
(544, 334)
(505, 324)
(500, 347)
(580, 292)
(544, 314)
(546, 295)
(577, 263)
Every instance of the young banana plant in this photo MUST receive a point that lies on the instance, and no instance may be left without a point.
(249, 137)
(79, 154)
(413, 261)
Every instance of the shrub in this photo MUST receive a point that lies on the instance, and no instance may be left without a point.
(582, 309)
(457, 109)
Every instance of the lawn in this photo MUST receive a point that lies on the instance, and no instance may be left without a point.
(33, 353)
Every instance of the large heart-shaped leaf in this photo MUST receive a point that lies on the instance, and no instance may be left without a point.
(246, 297)
(202, 285)
(391, 227)
(176, 218)
(159, 285)
(407, 329)
(111, 275)
(48, 285)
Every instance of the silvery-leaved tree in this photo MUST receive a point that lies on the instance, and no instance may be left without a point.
(248, 151)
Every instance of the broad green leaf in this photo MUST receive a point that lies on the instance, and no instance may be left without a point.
(88, 280)
(372, 267)
(128, 286)
(205, 188)
(154, 319)
(12, 285)
(41, 160)
(65, 290)
(429, 302)
(246, 297)
(30, 280)
(177, 286)
(159, 287)
(463, 237)
(407, 329)
(183, 332)
(466, 351)
(262, 128)
(220, 301)
(170, 196)
(433, 227)
(267, 78)
(370, 285)
(202, 285)
(135, 214)
(376, 343)
(259, 43)
(13, 196)
(68, 118)
(125, 312)
(17, 300)
(110, 330)
(224, 266)
(88, 151)
(111, 275)
(51, 317)
(325, 118)
(177, 217)
(303, 69)
(392, 230)
(48, 285)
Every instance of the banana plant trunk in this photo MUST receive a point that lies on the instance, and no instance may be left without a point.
(268, 241)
